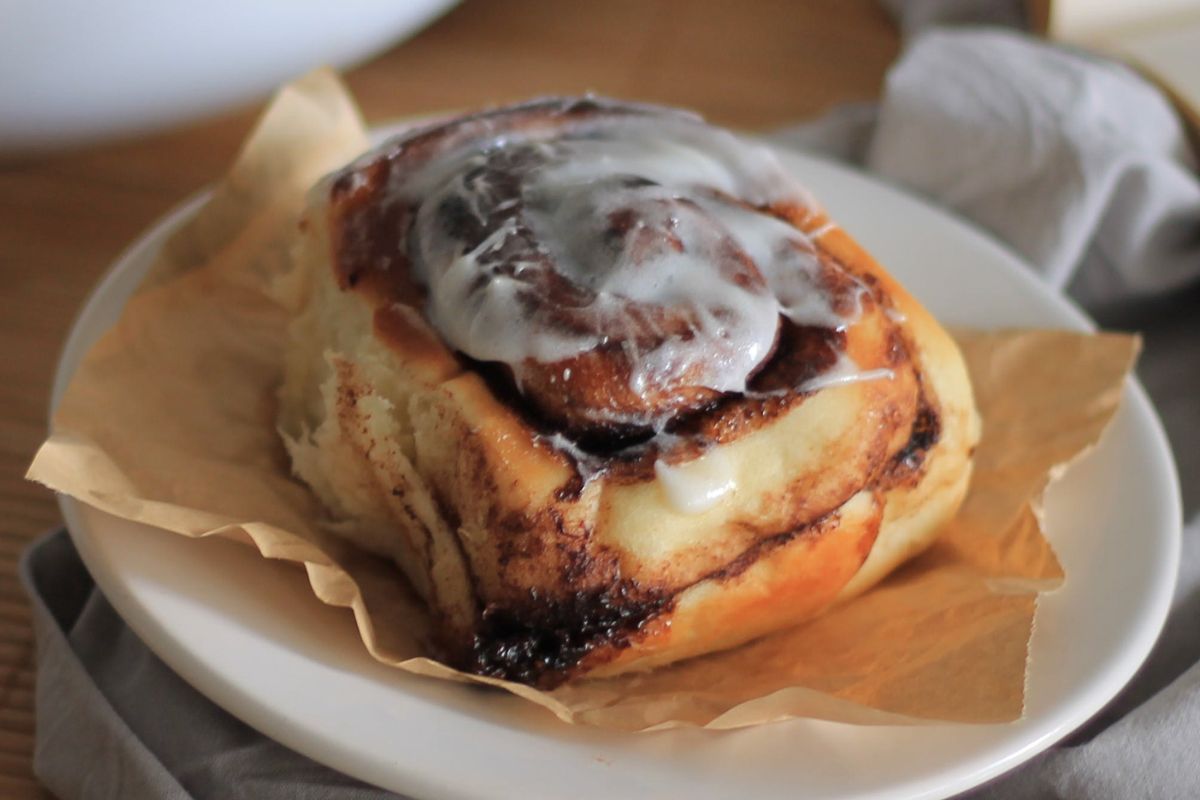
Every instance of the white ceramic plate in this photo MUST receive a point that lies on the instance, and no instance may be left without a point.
(249, 634)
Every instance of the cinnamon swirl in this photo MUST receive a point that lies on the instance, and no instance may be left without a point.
(611, 389)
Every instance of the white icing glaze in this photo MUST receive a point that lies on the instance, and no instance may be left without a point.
(727, 270)
(843, 373)
(824, 229)
(695, 486)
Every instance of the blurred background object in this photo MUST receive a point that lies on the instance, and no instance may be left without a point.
(77, 71)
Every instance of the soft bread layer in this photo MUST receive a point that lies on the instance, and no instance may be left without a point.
(344, 419)
(419, 461)
(798, 580)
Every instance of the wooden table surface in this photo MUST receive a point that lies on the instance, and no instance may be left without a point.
(65, 217)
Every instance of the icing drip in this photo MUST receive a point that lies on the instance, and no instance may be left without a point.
(695, 486)
(843, 373)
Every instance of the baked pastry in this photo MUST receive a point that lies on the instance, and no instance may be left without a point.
(611, 389)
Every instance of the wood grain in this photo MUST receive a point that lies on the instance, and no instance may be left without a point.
(65, 217)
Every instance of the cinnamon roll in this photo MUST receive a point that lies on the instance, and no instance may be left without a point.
(611, 389)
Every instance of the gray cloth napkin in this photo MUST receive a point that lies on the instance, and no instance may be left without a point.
(1075, 162)
(116, 723)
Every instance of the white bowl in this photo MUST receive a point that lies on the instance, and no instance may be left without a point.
(76, 71)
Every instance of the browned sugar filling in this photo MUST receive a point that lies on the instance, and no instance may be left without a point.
(543, 640)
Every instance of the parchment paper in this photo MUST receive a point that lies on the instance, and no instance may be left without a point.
(169, 421)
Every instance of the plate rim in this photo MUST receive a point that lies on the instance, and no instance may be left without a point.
(224, 692)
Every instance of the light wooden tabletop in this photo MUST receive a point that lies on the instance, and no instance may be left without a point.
(65, 217)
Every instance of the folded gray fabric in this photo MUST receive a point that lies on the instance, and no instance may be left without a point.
(115, 723)
(1076, 163)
